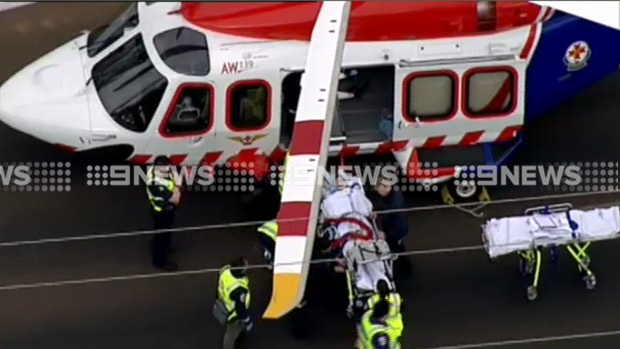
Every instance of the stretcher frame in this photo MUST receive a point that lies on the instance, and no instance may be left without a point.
(530, 260)
(358, 298)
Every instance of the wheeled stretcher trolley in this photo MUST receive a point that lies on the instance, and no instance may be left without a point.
(353, 239)
(546, 229)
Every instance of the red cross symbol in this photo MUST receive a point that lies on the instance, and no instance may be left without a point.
(576, 52)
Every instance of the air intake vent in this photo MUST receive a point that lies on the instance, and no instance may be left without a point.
(487, 16)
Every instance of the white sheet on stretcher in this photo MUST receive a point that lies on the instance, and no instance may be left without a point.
(508, 235)
(368, 274)
(350, 202)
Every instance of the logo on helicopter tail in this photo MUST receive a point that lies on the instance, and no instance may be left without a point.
(247, 140)
(577, 56)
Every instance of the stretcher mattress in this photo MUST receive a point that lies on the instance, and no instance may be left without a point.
(507, 235)
(368, 274)
(350, 202)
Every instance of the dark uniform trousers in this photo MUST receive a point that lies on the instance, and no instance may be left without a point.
(234, 332)
(161, 243)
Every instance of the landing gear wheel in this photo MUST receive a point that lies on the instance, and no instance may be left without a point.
(465, 189)
(590, 282)
(531, 293)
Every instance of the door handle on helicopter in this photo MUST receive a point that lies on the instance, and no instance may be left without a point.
(195, 140)
(102, 137)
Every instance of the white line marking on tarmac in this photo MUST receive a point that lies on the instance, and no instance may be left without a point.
(532, 340)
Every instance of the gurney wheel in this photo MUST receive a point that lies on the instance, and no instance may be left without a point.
(590, 282)
(532, 293)
(586, 261)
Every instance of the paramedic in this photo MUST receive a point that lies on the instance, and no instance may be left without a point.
(395, 318)
(233, 289)
(374, 332)
(267, 234)
(164, 197)
(394, 224)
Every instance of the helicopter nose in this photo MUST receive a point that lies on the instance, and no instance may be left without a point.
(13, 104)
(47, 98)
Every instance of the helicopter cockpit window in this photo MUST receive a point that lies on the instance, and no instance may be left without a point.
(129, 86)
(184, 50)
(104, 36)
(190, 111)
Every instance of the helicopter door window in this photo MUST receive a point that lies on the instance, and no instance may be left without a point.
(190, 113)
(249, 105)
(430, 96)
(103, 37)
(490, 92)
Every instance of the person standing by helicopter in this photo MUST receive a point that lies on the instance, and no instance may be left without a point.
(164, 197)
(395, 224)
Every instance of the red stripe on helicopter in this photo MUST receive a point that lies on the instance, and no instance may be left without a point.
(349, 151)
(305, 140)
(391, 146)
(471, 138)
(509, 133)
(177, 160)
(293, 218)
(434, 142)
(528, 48)
(210, 159)
(140, 159)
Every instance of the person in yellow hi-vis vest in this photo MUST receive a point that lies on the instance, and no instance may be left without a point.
(267, 234)
(233, 291)
(395, 318)
(164, 197)
(282, 173)
(374, 331)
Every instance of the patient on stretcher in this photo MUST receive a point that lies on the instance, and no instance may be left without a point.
(345, 204)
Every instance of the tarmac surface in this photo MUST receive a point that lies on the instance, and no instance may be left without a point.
(455, 300)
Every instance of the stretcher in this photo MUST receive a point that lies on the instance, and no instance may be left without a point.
(354, 239)
(548, 228)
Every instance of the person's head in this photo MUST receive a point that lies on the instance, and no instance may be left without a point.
(381, 310)
(239, 267)
(383, 288)
(162, 166)
(383, 186)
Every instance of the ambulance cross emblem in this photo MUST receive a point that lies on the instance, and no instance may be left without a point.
(577, 56)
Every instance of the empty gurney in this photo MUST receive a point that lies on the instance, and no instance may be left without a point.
(548, 227)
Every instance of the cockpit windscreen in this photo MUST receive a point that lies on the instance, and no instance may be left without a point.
(129, 86)
(104, 36)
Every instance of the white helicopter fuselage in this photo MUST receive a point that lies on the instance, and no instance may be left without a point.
(403, 97)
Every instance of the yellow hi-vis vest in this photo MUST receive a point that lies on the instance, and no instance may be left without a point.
(395, 318)
(368, 330)
(282, 173)
(270, 229)
(157, 202)
(227, 283)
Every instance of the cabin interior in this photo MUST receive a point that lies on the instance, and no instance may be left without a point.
(366, 97)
